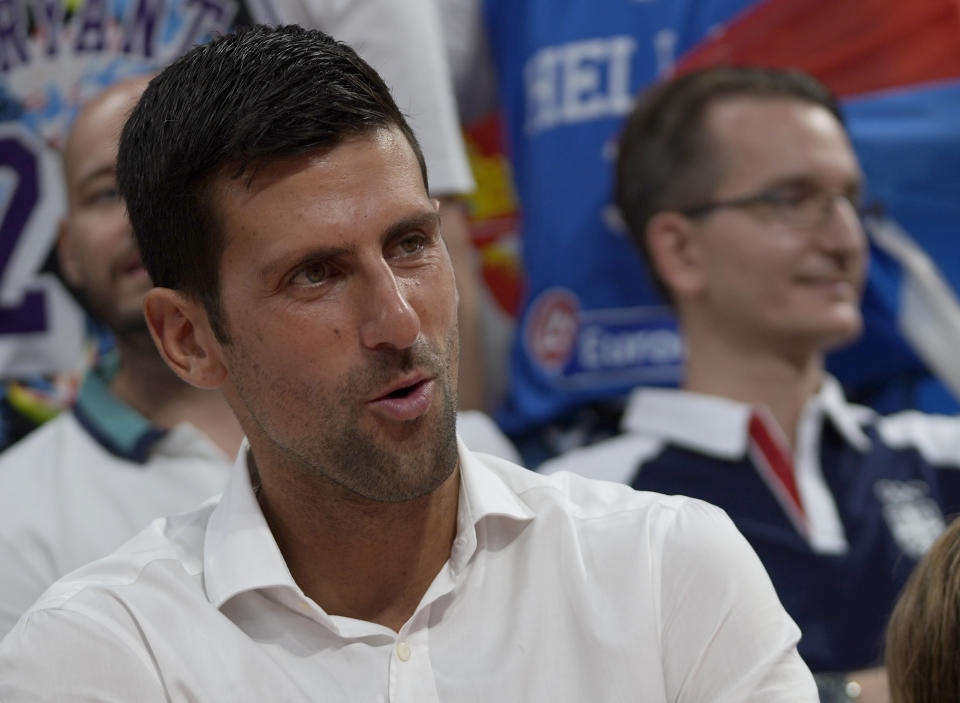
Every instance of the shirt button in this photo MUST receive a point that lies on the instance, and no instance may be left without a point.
(403, 651)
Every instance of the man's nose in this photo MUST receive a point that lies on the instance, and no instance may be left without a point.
(388, 317)
(842, 227)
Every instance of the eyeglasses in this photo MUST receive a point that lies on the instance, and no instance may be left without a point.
(802, 208)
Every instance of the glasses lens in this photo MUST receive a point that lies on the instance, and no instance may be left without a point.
(809, 210)
(814, 209)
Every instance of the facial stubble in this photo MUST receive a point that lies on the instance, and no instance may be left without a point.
(342, 443)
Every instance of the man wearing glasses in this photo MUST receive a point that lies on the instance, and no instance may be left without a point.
(742, 191)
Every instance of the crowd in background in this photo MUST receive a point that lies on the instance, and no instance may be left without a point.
(826, 433)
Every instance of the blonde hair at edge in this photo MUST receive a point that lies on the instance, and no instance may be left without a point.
(923, 637)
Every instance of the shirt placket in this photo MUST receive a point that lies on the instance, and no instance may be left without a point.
(827, 535)
(411, 673)
(411, 677)
(773, 461)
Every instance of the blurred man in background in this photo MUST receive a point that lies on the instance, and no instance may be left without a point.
(591, 325)
(139, 442)
(741, 189)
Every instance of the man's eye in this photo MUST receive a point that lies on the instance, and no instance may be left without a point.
(104, 195)
(412, 244)
(793, 198)
(312, 274)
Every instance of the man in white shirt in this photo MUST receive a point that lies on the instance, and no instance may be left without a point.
(138, 443)
(360, 551)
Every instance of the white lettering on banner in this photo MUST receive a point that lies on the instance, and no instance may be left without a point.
(582, 96)
(665, 49)
(600, 348)
(579, 81)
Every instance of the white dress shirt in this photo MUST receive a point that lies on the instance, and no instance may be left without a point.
(557, 589)
(87, 481)
(67, 499)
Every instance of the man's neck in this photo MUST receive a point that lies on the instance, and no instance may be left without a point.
(783, 383)
(145, 383)
(358, 558)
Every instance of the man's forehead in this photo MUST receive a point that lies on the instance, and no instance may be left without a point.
(247, 181)
(741, 107)
(356, 159)
(776, 136)
(367, 181)
(93, 137)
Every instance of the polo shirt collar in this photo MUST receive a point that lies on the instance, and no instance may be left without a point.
(848, 419)
(115, 425)
(719, 426)
(240, 553)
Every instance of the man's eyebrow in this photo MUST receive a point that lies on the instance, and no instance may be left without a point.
(805, 180)
(422, 220)
(793, 180)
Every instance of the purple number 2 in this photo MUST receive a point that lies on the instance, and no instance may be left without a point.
(29, 315)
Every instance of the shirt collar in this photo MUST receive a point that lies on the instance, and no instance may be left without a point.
(483, 496)
(848, 419)
(720, 427)
(241, 554)
(114, 424)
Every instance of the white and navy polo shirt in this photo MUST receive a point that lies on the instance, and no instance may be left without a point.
(839, 523)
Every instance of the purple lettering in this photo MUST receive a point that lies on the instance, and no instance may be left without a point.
(30, 314)
(141, 27)
(92, 35)
(49, 14)
(13, 34)
(209, 16)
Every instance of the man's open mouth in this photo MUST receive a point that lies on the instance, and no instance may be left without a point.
(405, 391)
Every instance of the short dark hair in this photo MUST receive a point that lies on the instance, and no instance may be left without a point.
(665, 159)
(228, 108)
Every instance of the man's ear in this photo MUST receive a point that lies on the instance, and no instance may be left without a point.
(182, 334)
(67, 256)
(675, 253)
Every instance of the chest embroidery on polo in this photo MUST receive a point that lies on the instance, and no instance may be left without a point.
(913, 517)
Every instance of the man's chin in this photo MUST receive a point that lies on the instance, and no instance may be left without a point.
(423, 453)
(391, 473)
(840, 334)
